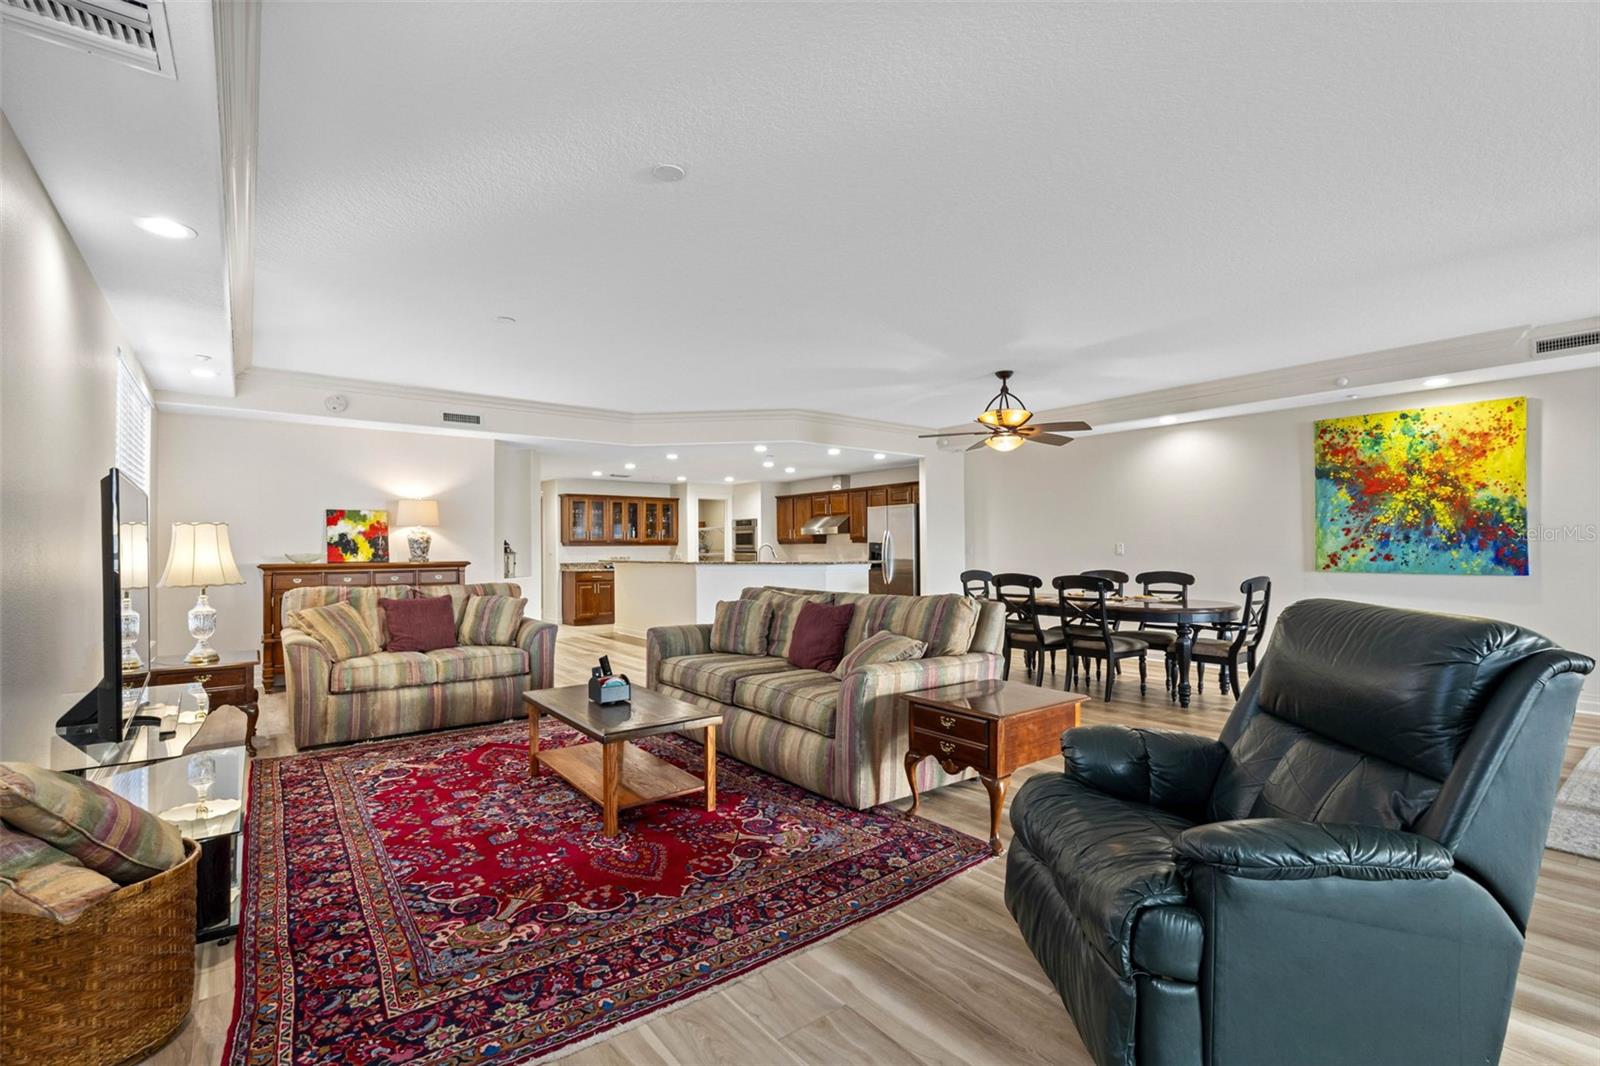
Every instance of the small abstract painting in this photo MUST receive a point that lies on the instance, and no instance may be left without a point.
(1433, 490)
(358, 536)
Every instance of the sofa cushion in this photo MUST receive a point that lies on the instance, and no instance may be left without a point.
(806, 698)
(45, 882)
(468, 663)
(339, 628)
(1111, 859)
(715, 675)
(818, 642)
(491, 621)
(945, 623)
(382, 670)
(740, 627)
(786, 608)
(884, 647)
(419, 623)
(100, 829)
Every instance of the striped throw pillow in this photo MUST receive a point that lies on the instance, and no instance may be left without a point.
(98, 828)
(882, 647)
(339, 628)
(46, 882)
(740, 627)
(786, 608)
(491, 621)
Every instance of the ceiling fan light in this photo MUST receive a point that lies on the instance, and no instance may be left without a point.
(1004, 442)
(1005, 417)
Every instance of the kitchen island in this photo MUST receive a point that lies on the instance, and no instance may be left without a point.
(663, 593)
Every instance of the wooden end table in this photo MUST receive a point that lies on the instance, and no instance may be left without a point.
(612, 772)
(230, 680)
(993, 727)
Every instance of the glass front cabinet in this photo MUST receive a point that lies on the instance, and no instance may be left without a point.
(619, 520)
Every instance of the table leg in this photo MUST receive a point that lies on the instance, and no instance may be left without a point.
(250, 713)
(711, 767)
(1185, 648)
(610, 777)
(913, 760)
(997, 802)
(533, 740)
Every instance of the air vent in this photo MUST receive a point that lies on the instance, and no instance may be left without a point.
(1567, 343)
(127, 31)
(466, 420)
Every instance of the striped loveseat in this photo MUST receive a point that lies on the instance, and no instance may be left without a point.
(407, 692)
(845, 739)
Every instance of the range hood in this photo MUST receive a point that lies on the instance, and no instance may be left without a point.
(824, 524)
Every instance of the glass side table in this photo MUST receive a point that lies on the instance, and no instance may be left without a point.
(191, 770)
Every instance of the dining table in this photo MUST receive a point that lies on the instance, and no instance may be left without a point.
(1186, 618)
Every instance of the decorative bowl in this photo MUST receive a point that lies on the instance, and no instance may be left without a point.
(303, 557)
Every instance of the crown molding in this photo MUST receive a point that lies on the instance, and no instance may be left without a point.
(258, 380)
(236, 32)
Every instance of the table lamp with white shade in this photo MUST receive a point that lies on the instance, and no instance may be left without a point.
(133, 572)
(415, 514)
(199, 557)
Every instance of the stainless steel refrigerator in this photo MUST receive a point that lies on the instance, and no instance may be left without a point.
(892, 550)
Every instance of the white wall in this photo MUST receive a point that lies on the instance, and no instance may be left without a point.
(272, 481)
(516, 518)
(1231, 498)
(58, 344)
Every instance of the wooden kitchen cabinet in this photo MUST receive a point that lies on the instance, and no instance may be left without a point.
(785, 519)
(839, 503)
(905, 493)
(588, 597)
(858, 516)
(619, 520)
(878, 497)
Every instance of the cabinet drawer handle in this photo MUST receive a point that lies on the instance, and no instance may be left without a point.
(298, 580)
(946, 721)
(202, 679)
(348, 579)
(946, 747)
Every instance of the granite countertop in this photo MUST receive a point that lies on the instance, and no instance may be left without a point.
(585, 566)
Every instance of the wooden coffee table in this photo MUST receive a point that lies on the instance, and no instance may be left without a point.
(993, 727)
(610, 771)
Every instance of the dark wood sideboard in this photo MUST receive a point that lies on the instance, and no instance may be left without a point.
(278, 578)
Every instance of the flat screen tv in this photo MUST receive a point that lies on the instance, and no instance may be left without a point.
(124, 610)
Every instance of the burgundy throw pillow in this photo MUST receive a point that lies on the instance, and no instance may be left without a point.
(818, 641)
(420, 624)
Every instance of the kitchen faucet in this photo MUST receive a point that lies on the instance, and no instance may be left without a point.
(769, 548)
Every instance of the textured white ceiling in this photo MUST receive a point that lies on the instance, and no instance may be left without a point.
(886, 201)
(112, 144)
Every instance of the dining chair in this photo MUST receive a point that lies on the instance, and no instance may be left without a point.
(1167, 584)
(977, 584)
(1240, 639)
(1083, 619)
(1118, 579)
(1019, 594)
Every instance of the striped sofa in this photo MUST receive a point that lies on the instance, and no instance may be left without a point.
(845, 739)
(407, 692)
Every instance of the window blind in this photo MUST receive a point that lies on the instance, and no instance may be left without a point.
(134, 417)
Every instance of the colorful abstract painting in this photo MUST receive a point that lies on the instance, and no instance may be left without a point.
(358, 536)
(1434, 490)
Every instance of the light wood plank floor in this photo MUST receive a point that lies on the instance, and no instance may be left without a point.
(946, 978)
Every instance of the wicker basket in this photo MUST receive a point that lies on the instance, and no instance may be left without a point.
(112, 986)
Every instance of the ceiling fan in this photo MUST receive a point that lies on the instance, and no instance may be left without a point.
(1008, 422)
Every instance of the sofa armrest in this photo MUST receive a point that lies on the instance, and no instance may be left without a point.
(669, 642)
(538, 639)
(1283, 849)
(1156, 767)
(306, 673)
(914, 675)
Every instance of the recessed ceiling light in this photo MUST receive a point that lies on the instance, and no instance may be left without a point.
(788, 470)
(171, 229)
(596, 473)
(672, 455)
(768, 463)
(1167, 420)
(729, 479)
(833, 451)
(202, 359)
(202, 372)
(630, 466)
(682, 478)
(1435, 383)
(505, 320)
(879, 456)
(761, 447)
(667, 172)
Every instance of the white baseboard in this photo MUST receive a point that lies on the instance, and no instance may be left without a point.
(1588, 702)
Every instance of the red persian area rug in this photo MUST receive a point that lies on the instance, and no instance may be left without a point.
(424, 901)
